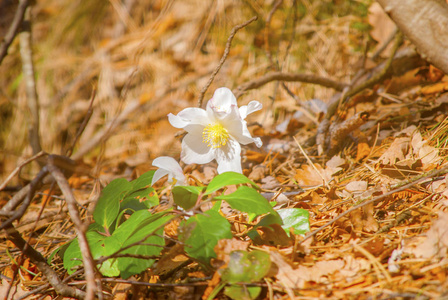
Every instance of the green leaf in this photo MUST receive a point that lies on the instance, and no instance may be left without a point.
(248, 200)
(140, 199)
(143, 181)
(72, 257)
(295, 218)
(227, 178)
(242, 292)
(246, 266)
(186, 196)
(108, 205)
(143, 228)
(202, 232)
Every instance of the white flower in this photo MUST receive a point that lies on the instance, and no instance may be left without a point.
(168, 166)
(217, 132)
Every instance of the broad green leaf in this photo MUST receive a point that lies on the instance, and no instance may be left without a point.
(143, 228)
(248, 200)
(140, 199)
(100, 245)
(295, 218)
(242, 292)
(227, 178)
(186, 196)
(108, 205)
(246, 266)
(72, 257)
(143, 181)
(202, 232)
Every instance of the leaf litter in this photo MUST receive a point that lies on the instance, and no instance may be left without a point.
(395, 246)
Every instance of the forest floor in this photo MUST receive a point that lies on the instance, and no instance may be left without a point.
(123, 67)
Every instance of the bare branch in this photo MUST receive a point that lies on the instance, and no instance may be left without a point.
(29, 77)
(13, 29)
(17, 170)
(290, 77)
(80, 227)
(223, 58)
(61, 288)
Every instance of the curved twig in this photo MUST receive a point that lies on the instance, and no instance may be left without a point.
(223, 58)
(13, 29)
(280, 76)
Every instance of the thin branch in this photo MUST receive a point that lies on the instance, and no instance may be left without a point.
(80, 227)
(36, 258)
(18, 168)
(26, 54)
(400, 187)
(223, 58)
(17, 214)
(290, 77)
(13, 29)
(83, 124)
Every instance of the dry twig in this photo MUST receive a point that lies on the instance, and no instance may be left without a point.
(80, 227)
(26, 54)
(223, 58)
(290, 77)
(13, 29)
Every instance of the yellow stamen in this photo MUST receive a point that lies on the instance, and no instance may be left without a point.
(215, 135)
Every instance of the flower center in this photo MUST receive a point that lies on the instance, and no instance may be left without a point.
(215, 135)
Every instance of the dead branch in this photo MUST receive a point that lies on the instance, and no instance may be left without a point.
(61, 288)
(83, 124)
(289, 77)
(17, 214)
(398, 188)
(13, 29)
(26, 54)
(425, 24)
(223, 58)
(17, 170)
(80, 227)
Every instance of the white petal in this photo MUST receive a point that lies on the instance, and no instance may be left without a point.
(168, 166)
(222, 100)
(194, 150)
(168, 163)
(238, 128)
(158, 174)
(253, 106)
(190, 115)
(229, 157)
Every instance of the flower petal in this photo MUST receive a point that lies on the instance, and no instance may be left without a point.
(190, 115)
(229, 157)
(158, 174)
(168, 166)
(194, 150)
(238, 128)
(222, 100)
(253, 106)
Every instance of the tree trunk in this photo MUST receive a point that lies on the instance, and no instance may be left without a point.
(425, 23)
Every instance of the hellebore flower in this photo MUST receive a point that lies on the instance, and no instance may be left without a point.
(216, 132)
(168, 166)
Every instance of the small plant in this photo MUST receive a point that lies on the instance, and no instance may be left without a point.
(127, 237)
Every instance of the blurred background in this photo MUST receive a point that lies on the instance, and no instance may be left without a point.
(146, 59)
